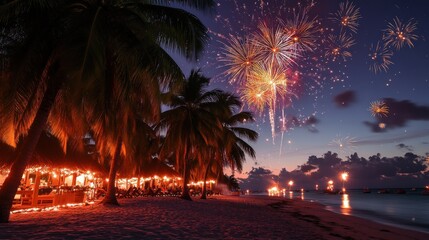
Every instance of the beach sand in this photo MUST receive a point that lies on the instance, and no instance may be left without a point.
(219, 217)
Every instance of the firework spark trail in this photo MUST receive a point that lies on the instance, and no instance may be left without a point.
(283, 129)
(264, 84)
(380, 57)
(397, 33)
(271, 114)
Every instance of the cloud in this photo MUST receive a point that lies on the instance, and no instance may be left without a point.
(392, 138)
(406, 147)
(400, 112)
(344, 99)
(308, 122)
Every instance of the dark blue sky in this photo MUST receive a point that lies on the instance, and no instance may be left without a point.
(406, 83)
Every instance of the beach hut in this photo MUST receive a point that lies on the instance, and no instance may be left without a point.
(52, 176)
(153, 174)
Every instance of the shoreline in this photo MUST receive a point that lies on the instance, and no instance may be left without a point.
(218, 217)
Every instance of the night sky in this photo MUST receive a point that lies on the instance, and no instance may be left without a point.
(328, 105)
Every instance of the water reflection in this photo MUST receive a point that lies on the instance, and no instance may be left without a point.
(345, 204)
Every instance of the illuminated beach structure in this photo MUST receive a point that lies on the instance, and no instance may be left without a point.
(54, 179)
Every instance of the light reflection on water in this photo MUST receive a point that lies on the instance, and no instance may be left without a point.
(409, 210)
(345, 204)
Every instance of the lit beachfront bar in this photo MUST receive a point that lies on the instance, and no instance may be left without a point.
(45, 187)
(49, 186)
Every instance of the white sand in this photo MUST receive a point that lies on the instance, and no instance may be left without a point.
(220, 217)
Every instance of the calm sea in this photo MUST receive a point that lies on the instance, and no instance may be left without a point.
(410, 210)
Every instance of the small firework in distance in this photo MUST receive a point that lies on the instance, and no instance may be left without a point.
(380, 57)
(379, 108)
(346, 144)
(348, 16)
(338, 46)
(397, 33)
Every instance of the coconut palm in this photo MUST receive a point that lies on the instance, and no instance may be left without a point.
(67, 48)
(190, 127)
(232, 148)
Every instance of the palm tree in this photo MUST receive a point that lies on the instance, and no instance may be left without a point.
(190, 126)
(127, 43)
(67, 47)
(232, 148)
(30, 83)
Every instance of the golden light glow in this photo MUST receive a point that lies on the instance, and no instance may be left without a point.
(53, 208)
(345, 204)
(274, 191)
(344, 176)
(330, 186)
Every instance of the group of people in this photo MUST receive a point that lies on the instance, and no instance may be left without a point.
(155, 191)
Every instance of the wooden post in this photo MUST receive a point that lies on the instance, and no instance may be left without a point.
(74, 179)
(59, 178)
(36, 189)
(27, 179)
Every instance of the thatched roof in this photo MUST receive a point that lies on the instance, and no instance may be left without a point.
(150, 168)
(50, 153)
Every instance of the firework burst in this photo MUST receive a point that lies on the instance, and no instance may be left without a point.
(379, 108)
(347, 16)
(380, 57)
(302, 31)
(274, 45)
(265, 83)
(338, 46)
(240, 56)
(346, 144)
(397, 33)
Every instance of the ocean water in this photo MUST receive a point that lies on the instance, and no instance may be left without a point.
(410, 210)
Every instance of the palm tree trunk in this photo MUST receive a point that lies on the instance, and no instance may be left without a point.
(186, 175)
(110, 198)
(11, 184)
(204, 194)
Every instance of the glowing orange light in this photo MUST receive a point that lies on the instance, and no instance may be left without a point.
(344, 176)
